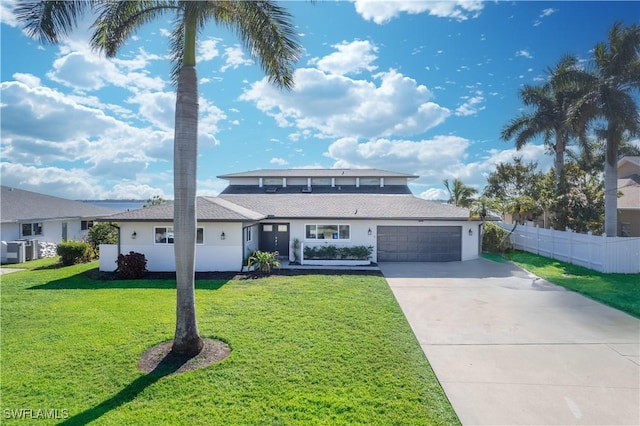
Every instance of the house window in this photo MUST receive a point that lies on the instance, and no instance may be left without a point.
(86, 224)
(247, 234)
(324, 232)
(30, 229)
(164, 235)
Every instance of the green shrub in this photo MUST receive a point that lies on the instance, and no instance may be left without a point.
(331, 252)
(132, 265)
(264, 261)
(72, 252)
(494, 239)
(101, 233)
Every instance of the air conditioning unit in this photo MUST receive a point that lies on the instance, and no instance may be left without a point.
(16, 251)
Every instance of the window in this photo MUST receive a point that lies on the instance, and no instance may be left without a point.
(323, 232)
(164, 235)
(86, 224)
(247, 234)
(29, 229)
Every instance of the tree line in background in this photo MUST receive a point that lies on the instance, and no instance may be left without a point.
(592, 108)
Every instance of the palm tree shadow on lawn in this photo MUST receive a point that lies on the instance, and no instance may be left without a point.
(157, 362)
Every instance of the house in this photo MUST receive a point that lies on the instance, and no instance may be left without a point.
(26, 215)
(629, 201)
(270, 209)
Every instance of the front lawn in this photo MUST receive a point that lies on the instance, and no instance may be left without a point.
(621, 291)
(308, 349)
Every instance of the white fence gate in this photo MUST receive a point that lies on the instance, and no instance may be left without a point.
(604, 254)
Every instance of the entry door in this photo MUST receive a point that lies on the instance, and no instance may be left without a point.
(275, 237)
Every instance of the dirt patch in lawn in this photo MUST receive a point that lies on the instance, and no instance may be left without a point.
(159, 360)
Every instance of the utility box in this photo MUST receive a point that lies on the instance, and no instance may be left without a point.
(31, 249)
(16, 251)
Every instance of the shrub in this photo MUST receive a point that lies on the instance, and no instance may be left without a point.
(331, 252)
(132, 265)
(494, 239)
(72, 252)
(102, 233)
(264, 261)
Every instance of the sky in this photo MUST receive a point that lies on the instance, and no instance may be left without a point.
(418, 87)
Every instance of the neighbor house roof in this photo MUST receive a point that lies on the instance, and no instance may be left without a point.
(326, 173)
(19, 206)
(208, 209)
(630, 188)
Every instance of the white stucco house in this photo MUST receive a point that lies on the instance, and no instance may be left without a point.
(629, 200)
(270, 209)
(26, 215)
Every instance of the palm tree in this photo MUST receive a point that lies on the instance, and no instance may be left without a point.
(266, 31)
(550, 105)
(460, 195)
(608, 102)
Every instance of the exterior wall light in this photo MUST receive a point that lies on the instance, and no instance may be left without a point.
(134, 235)
(369, 232)
(470, 232)
(222, 236)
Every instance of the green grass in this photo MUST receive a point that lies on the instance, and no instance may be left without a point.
(621, 291)
(44, 263)
(316, 349)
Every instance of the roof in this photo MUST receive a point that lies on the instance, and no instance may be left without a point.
(326, 173)
(631, 159)
(208, 209)
(19, 206)
(252, 207)
(630, 188)
(347, 206)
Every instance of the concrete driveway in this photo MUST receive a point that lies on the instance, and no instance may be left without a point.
(512, 349)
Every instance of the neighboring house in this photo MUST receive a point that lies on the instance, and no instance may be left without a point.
(26, 215)
(269, 209)
(629, 201)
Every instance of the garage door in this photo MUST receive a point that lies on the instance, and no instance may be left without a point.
(419, 243)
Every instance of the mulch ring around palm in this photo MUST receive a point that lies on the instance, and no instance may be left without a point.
(159, 360)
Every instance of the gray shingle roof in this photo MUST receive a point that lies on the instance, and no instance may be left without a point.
(20, 205)
(208, 209)
(326, 173)
(343, 206)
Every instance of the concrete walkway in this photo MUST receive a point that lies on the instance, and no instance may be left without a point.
(512, 349)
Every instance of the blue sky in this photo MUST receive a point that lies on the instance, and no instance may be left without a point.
(408, 86)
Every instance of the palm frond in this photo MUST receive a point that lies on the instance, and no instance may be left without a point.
(118, 20)
(47, 21)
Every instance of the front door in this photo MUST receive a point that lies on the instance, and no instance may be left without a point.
(275, 237)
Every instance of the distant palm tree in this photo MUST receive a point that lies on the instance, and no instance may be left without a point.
(267, 32)
(550, 107)
(609, 104)
(460, 195)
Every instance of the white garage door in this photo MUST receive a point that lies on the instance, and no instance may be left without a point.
(419, 243)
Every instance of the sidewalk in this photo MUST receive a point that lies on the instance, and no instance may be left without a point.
(511, 349)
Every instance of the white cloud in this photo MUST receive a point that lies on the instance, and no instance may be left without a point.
(382, 12)
(351, 57)
(234, 57)
(547, 12)
(279, 161)
(7, 17)
(337, 106)
(471, 106)
(524, 54)
(207, 49)
(28, 79)
(74, 183)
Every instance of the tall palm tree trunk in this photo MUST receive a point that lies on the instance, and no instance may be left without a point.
(187, 339)
(611, 187)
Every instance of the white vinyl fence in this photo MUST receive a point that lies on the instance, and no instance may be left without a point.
(604, 254)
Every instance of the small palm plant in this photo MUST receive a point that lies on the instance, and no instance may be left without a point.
(264, 261)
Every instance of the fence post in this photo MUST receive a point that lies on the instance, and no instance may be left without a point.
(570, 243)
